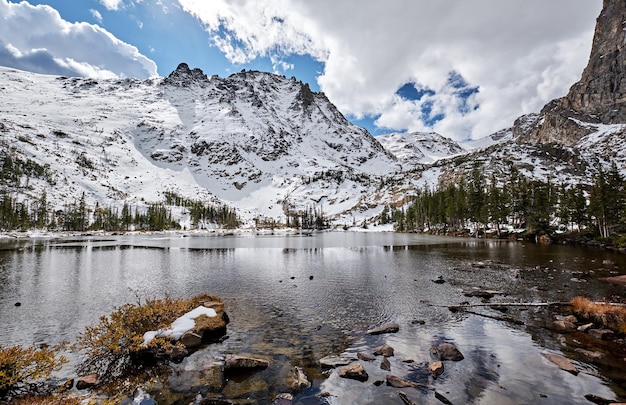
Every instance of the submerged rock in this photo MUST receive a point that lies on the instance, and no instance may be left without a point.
(397, 382)
(385, 364)
(563, 363)
(335, 361)
(486, 294)
(589, 354)
(448, 351)
(234, 361)
(387, 328)
(365, 357)
(297, 380)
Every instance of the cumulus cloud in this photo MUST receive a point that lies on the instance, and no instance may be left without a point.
(518, 54)
(37, 39)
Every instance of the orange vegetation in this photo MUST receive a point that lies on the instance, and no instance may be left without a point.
(612, 316)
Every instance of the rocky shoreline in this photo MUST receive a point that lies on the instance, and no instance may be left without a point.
(210, 375)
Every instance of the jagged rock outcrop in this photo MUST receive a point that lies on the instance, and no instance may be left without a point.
(184, 76)
(600, 95)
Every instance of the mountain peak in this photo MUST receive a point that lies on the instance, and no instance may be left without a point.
(184, 76)
(600, 95)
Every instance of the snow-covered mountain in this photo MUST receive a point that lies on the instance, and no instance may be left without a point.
(260, 142)
(419, 147)
(270, 147)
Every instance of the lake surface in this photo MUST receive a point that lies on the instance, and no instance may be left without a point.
(298, 298)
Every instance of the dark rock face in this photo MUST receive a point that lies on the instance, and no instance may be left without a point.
(600, 95)
(602, 89)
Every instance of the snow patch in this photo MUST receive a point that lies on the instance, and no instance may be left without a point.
(180, 326)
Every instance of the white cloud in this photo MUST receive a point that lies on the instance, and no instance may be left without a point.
(96, 14)
(111, 4)
(520, 53)
(37, 39)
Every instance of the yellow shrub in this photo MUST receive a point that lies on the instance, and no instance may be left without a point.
(21, 367)
(114, 347)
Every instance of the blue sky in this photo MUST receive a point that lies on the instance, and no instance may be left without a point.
(465, 69)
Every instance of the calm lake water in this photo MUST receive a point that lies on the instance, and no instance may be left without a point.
(298, 298)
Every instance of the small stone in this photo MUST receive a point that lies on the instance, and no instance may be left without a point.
(564, 326)
(385, 350)
(439, 280)
(585, 327)
(448, 351)
(568, 318)
(589, 354)
(418, 322)
(87, 381)
(365, 357)
(385, 364)
(436, 368)
(310, 277)
(398, 382)
(378, 383)
(18, 304)
(387, 328)
(603, 334)
(354, 371)
(283, 399)
(234, 361)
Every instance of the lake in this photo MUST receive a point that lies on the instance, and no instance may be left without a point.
(298, 298)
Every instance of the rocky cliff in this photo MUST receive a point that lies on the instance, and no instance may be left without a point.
(600, 95)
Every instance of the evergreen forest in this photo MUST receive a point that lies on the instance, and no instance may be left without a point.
(477, 205)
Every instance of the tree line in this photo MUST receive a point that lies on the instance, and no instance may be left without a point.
(478, 202)
(77, 215)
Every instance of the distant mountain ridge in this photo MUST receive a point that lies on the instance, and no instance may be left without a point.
(419, 147)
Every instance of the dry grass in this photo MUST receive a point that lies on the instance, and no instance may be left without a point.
(608, 315)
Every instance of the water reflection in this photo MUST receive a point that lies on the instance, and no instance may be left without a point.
(299, 298)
